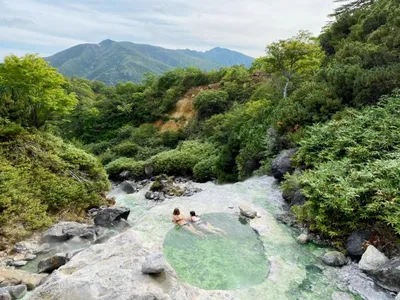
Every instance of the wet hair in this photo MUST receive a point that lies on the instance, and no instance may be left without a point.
(177, 212)
(193, 214)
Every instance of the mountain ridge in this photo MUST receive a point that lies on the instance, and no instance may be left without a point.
(112, 62)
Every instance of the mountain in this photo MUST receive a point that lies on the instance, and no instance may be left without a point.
(113, 62)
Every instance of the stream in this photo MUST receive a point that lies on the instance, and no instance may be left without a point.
(260, 259)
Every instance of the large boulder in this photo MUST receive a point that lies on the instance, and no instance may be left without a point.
(154, 264)
(334, 259)
(4, 294)
(388, 275)
(110, 216)
(16, 277)
(18, 291)
(372, 259)
(66, 230)
(247, 212)
(355, 243)
(294, 197)
(282, 164)
(50, 264)
(128, 187)
(112, 270)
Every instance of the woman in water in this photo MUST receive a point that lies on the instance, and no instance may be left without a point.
(179, 219)
(195, 219)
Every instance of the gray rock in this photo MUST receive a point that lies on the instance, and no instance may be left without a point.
(17, 263)
(50, 264)
(89, 233)
(334, 259)
(354, 243)
(247, 212)
(18, 291)
(149, 195)
(16, 277)
(123, 225)
(397, 297)
(148, 170)
(342, 296)
(113, 271)
(302, 238)
(357, 282)
(109, 217)
(372, 259)
(106, 236)
(154, 264)
(388, 275)
(282, 164)
(4, 295)
(125, 174)
(128, 187)
(63, 231)
(29, 257)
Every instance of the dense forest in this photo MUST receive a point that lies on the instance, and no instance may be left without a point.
(334, 97)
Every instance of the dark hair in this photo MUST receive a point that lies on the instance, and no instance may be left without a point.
(193, 214)
(177, 212)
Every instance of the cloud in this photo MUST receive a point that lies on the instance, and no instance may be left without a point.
(246, 26)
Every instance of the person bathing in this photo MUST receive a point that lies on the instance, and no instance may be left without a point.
(195, 219)
(179, 219)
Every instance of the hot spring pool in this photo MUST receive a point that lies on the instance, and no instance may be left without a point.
(229, 262)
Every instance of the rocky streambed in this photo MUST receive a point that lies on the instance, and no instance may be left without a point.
(139, 261)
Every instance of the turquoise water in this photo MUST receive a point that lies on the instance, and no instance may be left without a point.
(229, 262)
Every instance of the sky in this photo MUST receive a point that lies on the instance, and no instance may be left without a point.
(49, 26)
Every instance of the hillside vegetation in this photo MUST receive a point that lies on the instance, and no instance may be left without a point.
(334, 97)
(113, 62)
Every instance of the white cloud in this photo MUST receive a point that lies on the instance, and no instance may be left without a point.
(247, 26)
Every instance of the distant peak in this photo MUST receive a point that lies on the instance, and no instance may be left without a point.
(107, 42)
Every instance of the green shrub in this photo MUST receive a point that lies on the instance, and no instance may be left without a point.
(181, 160)
(204, 170)
(126, 148)
(209, 103)
(41, 177)
(356, 170)
(115, 167)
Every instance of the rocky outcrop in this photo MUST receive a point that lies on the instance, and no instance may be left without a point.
(16, 277)
(372, 259)
(388, 275)
(17, 292)
(154, 264)
(50, 264)
(112, 270)
(334, 259)
(110, 217)
(282, 164)
(247, 212)
(355, 242)
(66, 230)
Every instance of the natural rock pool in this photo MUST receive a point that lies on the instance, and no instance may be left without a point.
(218, 262)
(242, 265)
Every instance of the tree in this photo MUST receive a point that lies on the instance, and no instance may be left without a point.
(209, 103)
(33, 91)
(298, 56)
(350, 6)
